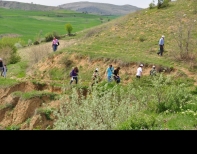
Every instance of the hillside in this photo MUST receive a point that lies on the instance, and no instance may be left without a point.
(100, 8)
(85, 7)
(125, 42)
(25, 6)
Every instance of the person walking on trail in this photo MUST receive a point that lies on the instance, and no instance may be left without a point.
(1, 66)
(153, 71)
(161, 45)
(109, 73)
(95, 76)
(116, 75)
(139, 71)
(55, 43)
(74, 75)
(4, 71)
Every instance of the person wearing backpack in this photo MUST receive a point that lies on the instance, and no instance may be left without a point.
(74, 75)
(55, 44)
(116, 75)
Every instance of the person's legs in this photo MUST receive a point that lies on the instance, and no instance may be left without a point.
(4, 74)
(54, 47)
(161, 48)
(71, 80)
(109, 78)
(76, 79)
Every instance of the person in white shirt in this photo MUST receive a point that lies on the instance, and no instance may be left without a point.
(139, 71)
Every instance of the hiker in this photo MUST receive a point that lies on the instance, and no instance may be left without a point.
(55, 43)
(95, 76)
(153, 71)
(1, 66)
(109, 73)
(4, 71)
(139, 71)
(74, 75)
(116, 75)
(161, 46)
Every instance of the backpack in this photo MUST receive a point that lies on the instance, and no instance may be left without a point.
(71, 73)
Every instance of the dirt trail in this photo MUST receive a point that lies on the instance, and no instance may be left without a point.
(24, 53)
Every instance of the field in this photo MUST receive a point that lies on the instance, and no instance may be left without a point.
(28, 24)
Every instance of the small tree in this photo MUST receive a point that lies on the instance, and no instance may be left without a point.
(69, 28)
(152, 5)
(163, 3)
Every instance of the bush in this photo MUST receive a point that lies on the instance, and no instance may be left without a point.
(49, 37)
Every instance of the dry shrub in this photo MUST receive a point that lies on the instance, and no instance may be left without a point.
(5, 53)
(38, 53)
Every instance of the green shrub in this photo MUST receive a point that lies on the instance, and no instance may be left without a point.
(49, 37)
(139, 121)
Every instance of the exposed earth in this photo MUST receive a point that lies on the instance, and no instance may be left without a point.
(17, 113)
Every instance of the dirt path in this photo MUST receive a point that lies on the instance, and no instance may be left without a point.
(25, 52)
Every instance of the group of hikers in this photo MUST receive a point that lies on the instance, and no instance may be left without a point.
(3, 68)
(111, 74)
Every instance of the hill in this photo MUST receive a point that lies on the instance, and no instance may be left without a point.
(85, 7)
(100, 8)
(167, 101)
(26, 6)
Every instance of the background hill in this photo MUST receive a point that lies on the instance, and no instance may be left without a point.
(25, 6)
(85, 7)
(100, 8)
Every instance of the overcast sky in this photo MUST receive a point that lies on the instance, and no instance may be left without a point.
(138, 3)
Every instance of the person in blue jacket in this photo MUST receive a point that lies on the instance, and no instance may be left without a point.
(161, 45)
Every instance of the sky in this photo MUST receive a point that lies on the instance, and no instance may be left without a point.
(138, 3)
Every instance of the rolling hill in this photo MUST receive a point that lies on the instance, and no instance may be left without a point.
(86, 7)
(100, 8)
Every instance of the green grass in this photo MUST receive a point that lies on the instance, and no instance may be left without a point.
(27, 24)
(122, 38)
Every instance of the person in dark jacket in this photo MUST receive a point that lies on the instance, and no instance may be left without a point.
(116, 75)
(74, 75)
(1, 66)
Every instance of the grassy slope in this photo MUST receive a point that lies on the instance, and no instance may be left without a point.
(121, 38)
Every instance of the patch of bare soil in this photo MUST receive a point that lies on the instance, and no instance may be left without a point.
(15, 111)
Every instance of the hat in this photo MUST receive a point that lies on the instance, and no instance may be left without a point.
(153, 66)
(96, 69)
(162, 36)
(141, 65)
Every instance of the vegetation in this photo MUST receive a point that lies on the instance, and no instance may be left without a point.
(167, 101)
(34, 25)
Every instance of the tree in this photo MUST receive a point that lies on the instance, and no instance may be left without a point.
(69, 28)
